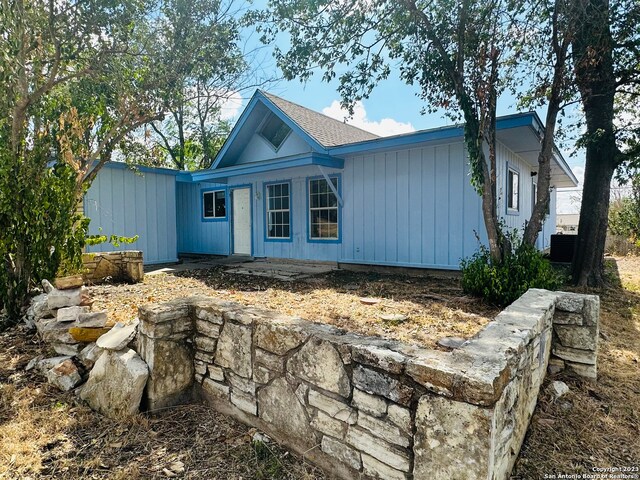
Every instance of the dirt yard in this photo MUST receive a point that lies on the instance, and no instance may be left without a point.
(46, 434)
(434, 306)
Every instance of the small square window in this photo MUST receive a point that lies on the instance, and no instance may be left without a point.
(275, 131)
(214, 204)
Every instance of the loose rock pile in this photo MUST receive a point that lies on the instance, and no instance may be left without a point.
(90, 350)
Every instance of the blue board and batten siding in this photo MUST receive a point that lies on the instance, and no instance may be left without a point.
(127, 203)
(410, 207)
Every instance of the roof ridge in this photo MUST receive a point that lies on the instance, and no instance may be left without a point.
(343, 123)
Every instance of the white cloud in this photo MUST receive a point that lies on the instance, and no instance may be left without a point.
(384, 127)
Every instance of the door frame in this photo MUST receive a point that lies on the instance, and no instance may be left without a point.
(231, 188)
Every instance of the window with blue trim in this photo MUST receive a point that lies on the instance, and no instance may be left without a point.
(513, 190)
(323, 210)
(278, 211)
(214, 204)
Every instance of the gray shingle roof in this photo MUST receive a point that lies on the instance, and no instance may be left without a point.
(327, 131)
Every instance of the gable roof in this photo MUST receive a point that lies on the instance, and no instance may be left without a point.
(327, 131)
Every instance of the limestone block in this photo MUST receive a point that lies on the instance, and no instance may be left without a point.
(372, 404)
(556, 365)
(376, 383)
(39, 307)
(163, 312)
(587, 371)
(262, 375)
(116, 383)
(572, 336)
(119, 336)
(70, 314)
(241, 384)
(334, 408)
(217, 390)
(216, 373)
(209, 329)
(66, 283)
(279, 406)
(87, 334)
(66, 348)
(90, 355)
(245, 402)
(172, 370)
(205, 344)
(199, 367)
(209, 313)
(452, 440)
(591, 311)
(52, 331)
(67, 298)
(204, 357)
(400, 416)
(92, 319)
(319, 363)
(376, 469)
(234, 349)
(570, 302)
(379, 356)
(64, 375)
(567, 318)
(378, 448)
(279, 338)
(269, 360)
(328, 425)
(46, 286)
(574, 355)
(383, 429)
(341, 452)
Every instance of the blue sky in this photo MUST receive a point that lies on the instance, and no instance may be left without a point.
(392, 108)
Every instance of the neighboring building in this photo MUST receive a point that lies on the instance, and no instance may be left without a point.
(293, 183)
(567, 222)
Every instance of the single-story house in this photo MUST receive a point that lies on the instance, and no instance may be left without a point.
(292, 183)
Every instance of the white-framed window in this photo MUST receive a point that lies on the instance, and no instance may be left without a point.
(534, 194)
(214, 204)
(278, 210)
(323, 210)
(275, 131)
(513, 190)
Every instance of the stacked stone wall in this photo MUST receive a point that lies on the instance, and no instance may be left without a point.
(124, 266)
(360, 407)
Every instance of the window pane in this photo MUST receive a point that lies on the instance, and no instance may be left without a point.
(275, 130)
(221, 207)
(208, 204)
(285, 189)
(278, 210)
(285, 231)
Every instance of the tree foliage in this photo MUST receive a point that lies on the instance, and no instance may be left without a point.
(461, 55)
(78, 78)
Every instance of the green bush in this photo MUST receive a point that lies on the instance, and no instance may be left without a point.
(522, 268)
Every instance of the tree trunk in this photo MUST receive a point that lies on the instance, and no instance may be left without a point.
(596, 80)
(588, 261)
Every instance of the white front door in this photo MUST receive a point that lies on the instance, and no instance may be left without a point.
(241, 221)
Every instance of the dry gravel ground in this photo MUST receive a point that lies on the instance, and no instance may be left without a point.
(435, 306)
(47, 434)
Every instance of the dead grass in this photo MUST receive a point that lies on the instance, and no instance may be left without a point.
(598, 423)
(435, 307)
(45, 434)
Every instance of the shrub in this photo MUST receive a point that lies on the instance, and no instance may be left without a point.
(522, 268)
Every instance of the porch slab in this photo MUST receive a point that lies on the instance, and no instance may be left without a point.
(285, 270)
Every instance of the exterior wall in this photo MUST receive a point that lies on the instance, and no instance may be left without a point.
(412, 207)
(258, 149)
(194, 234)
(364, 407)
(125, 203)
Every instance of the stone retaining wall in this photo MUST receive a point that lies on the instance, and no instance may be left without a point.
(124, 266)
(362, 406)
